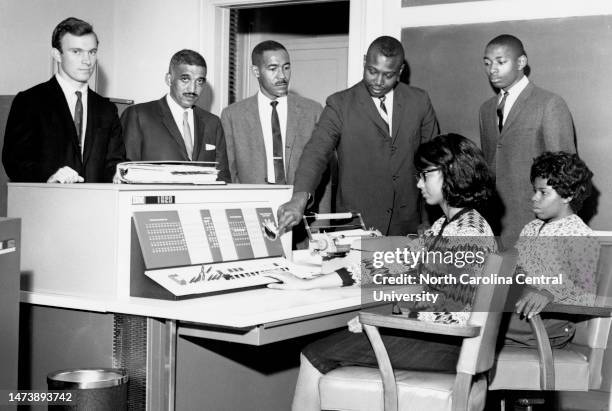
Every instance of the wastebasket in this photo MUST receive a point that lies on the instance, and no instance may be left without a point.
(94, 389)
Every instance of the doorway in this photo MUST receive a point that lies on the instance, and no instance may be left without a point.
(315, 35)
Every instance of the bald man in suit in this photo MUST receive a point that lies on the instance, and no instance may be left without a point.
(173, 128)
(374, 127)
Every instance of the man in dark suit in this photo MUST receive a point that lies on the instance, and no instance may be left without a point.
(516, 126)
(374, 127)
(250, 125)
(61, 131)
(173, 128)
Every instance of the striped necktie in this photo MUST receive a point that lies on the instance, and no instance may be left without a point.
(384, 114)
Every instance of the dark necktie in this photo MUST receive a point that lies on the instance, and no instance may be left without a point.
(382, 104)
(383, 107)
(500, 111)
(277, 146)
(78, 118)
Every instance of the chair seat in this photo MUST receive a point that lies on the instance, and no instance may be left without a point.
(519, 369)
(360, 388)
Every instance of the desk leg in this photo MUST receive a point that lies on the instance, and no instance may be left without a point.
(161, 364)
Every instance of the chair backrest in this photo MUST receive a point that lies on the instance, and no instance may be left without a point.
(121, 104)
(593, 333)
(477, 353)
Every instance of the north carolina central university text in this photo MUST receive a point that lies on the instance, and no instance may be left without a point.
(451, 279)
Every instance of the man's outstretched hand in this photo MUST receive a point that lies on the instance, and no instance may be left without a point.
(290, 213)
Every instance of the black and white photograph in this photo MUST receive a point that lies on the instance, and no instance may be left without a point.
(306, 205)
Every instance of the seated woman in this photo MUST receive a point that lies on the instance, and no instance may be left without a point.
(452, 174)
(556, 242)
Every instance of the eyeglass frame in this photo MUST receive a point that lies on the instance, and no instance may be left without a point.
(423, 174)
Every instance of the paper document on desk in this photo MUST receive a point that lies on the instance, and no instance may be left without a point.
(168, 172)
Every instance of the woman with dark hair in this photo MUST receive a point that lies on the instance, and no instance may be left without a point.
(451, 173)
(467, 181)
(556, 242)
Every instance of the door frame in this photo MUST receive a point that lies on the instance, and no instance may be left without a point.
(214, 36)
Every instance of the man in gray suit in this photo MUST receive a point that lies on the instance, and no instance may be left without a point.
(173, 128)
(267, 132)
(516, 126)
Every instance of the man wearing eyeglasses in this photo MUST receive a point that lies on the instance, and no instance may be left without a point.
(61, 131)
(374, 127)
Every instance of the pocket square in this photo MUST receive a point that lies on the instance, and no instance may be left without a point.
(210, 147)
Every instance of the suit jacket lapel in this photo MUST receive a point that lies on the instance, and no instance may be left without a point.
(518, 105)
(368, 106)
(91, 125)
(293, 113)
(490, 121)
(399, 101)
(170, 124)
(65, 118)
(259, 164)
(198, 137)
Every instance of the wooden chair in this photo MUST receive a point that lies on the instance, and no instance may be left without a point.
(575, 367)
(370, 389)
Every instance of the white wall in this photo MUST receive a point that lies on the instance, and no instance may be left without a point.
(25, 30)
(137, 39)
(146, 34)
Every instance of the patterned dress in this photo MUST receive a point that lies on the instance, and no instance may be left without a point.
(466, 231)
(547, 249)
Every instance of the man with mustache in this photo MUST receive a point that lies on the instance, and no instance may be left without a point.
(61, 131)
(267, 132)
(173, 128)
(374, 128)
(517, 125)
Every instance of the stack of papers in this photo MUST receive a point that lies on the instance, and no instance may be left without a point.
(168, 172)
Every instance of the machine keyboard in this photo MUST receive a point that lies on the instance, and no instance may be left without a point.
(219, 277)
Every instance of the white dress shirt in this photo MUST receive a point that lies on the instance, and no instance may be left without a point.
(265, 118)
(388, 105)
(71, 98)
(177, 114)
(513, 94)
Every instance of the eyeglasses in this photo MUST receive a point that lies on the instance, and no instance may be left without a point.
(423, 174)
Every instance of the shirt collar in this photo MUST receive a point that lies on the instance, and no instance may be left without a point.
(264, 100)
(516, 89)
(388, 97)
(175, 108)
(68, 88)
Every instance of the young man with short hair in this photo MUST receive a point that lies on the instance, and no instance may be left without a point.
(516, 126)
(61, 131)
